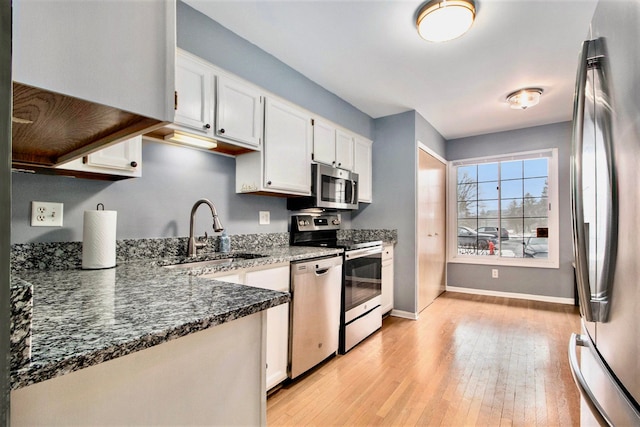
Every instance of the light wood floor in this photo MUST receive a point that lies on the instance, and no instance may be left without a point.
(468, 360)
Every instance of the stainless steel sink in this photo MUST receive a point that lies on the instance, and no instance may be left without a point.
(215, 262)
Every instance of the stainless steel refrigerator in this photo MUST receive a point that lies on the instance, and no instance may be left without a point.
(606, 217)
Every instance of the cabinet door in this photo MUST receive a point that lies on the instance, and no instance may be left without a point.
(123, 156)
(344, 150)
(387, 279)
(121, 159)
(324, 142)
(364, 168)
(236, 277)
(194, 87)
(287, 147)
(276, 279)
(238, 112)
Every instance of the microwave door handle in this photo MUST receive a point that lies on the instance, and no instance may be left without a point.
(577, 202)
(354, 197)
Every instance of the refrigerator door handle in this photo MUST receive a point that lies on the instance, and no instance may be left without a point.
(594, 308)
(579, 239)
(586, 393)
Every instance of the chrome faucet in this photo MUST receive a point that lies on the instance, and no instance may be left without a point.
(200, 242)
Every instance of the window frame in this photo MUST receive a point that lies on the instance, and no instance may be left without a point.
(553, 260)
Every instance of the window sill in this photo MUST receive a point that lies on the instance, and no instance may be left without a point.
(507, 262)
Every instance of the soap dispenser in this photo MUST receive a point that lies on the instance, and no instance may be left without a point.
(225, 243)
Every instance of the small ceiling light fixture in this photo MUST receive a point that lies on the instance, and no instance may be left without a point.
(443, 20)
(183, 138)
(524, 98)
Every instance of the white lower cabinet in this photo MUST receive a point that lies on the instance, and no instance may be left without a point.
(387, 279)
(123, 159)
(210, 377)
(276, 278)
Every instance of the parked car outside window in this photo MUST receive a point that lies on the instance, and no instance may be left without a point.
(504, 234)
(536, 247)
(470, 238)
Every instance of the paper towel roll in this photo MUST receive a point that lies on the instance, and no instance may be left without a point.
(99, 239)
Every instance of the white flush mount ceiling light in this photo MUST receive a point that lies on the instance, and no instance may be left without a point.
(192, 140)
(524, 98)
(442, 20)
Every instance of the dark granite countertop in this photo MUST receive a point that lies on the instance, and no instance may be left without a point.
(84, 317)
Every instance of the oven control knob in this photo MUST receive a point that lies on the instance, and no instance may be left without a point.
(336, 222)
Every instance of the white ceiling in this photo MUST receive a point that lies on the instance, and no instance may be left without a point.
(370, 54)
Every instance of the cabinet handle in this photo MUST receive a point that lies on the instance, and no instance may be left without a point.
(221, 130)
(134, 164)
(207, 126)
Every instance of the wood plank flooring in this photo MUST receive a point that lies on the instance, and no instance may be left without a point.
(468, 361)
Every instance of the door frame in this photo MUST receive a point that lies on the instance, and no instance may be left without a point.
(429, 151)
(5, 206)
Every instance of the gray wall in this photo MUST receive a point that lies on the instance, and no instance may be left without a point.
(209, 40)
(534, 281)
(394, 193)
(156, 205)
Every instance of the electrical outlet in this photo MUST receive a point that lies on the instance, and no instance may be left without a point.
(494, 273)
(46, 214)
(265, 217)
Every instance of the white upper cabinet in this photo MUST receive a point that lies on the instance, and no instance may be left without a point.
(332, 146)
(364, 168)
(239, 112)
(283, 166)
(194, 96)
(324, 142)
(344, 150)
(214, 105)
(287, 157)
(114, 53)
(121, 160)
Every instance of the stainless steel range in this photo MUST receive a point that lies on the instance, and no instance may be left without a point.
(361, 314)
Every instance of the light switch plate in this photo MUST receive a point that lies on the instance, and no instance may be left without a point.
(46, 214)
(265, 217)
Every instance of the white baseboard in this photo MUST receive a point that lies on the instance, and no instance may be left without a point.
(404, 314)
(558, 300)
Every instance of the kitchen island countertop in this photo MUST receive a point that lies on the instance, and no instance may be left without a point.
(84, 317)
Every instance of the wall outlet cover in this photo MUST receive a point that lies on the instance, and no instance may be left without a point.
(265, 217)
(46, 214)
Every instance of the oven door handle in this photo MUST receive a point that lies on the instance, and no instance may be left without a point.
(359, 253)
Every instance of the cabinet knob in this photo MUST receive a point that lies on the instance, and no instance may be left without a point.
(221, 130)
(207, 126)
(268, 182)
(339, 164)
(134, 164)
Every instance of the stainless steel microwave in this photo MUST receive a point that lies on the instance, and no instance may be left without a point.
(331, 188)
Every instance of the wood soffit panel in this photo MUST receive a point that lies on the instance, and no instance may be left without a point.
(50, 128)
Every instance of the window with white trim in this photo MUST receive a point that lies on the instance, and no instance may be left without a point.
(504, 210)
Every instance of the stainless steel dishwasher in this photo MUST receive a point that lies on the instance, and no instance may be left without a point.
(316, 289)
